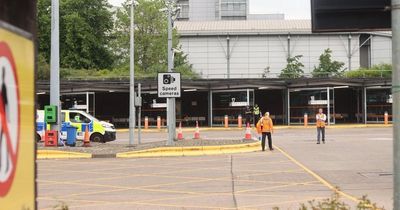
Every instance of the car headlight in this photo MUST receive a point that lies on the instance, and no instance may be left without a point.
(106, 126)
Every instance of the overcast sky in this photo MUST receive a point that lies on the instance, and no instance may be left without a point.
(293, 9)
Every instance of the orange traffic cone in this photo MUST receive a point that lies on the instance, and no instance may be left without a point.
(247, 136)
(180, 134)
(197, 132)
(86, 141)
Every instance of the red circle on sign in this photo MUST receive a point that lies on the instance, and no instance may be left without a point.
(5, 185)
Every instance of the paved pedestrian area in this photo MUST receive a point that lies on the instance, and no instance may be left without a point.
(358, 161)
(246, 181)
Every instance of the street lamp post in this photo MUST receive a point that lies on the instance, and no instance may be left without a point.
(396, 100)
(170, 101)
(55, 62)
(132, 80)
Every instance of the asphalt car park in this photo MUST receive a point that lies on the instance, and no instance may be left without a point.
(356, 160)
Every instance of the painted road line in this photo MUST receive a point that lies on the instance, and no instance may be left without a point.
(57, 154)
(319, 178)
(191, 151)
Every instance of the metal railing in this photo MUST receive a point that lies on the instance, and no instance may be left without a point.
(347, 74)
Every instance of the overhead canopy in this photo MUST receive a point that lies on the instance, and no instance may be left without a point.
(71, 86)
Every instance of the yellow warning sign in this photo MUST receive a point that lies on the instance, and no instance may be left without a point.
(17, 141)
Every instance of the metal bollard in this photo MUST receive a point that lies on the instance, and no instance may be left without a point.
(240, 121)
(386, 118)
(158, 122)
(146, 122)
(226, 121)
(305, 120)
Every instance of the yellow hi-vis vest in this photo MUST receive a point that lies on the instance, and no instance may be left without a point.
(256, 110)
(321, 120)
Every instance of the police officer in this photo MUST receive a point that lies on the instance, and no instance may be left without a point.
(321, 118)
(256, 113)
(248, 113)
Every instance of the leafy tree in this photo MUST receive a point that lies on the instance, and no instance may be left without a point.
(85, 28)
(376, 71)
(151, 37)
(327, 67)
(43, 68)
(293, 68)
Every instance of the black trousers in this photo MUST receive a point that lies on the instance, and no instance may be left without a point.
(320, 130)
(264, 134)
(248, 119)
(256, 119)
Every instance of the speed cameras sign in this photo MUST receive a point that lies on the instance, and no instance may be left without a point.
(169, 85)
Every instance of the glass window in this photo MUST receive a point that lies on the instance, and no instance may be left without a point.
(379, 101)
(78, 118)
(308, 102)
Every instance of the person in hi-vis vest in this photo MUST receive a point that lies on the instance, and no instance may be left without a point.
(321, 118)
(256, 113)
(266, 128)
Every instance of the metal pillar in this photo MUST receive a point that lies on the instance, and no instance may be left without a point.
(132, 80)
(396, 100)
(288, 45)
(248, 97)
(358, 105)
(328, 105)
(87, 102)
(349, 51)
(55, 63)
(140, 114)
(170, 101)
(228, 57)
(365, 104)
(210, 105)
(288, 106)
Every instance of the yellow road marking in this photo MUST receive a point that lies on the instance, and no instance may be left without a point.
(275, 187)
(319, 178)
(282, 202)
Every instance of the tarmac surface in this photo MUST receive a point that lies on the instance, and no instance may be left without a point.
(357, 160)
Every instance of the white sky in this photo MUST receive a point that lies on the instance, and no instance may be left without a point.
(293, 9)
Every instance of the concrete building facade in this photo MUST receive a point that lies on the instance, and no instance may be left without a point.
(259, 48)
(211, 10)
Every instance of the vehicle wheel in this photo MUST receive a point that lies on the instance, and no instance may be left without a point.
(38, 138)
(96, 137)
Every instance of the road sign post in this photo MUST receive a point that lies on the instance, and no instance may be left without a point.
(169, 86)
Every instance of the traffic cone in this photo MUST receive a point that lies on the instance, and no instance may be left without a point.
(247, 136)
(86, 140)
(180, 134)
(197, 132)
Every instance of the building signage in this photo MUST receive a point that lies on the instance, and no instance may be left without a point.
(158, 105)
(169, 85)
(312, 101)
(390, 99)
(235, 103)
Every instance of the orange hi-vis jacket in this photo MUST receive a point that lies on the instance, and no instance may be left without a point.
(265, 125)
(321, 118)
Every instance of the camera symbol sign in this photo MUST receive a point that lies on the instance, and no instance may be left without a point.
(169, 85)
(9, 119)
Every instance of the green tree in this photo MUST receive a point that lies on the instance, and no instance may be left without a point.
(327, 67)
(376, 71)
(150, 39)
(293, 68)
(85, 28)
